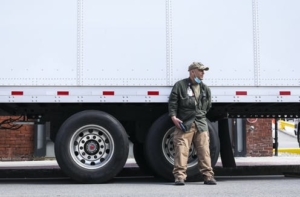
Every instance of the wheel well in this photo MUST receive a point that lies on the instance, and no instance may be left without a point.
(135, 118)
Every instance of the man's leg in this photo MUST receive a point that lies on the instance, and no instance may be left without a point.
(201, 142)
(182, 142)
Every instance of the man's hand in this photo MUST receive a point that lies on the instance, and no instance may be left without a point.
(176, 121)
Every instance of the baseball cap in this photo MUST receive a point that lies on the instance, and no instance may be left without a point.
(198, 65)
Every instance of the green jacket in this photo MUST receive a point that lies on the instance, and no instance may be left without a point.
(183, 106)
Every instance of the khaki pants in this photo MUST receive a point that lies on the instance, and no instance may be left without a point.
(182, 142)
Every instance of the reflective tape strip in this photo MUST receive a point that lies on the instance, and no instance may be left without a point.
(153, 93)
(17, 93)
(108, 93)
(241, 93)
(285, 93)
(62, 93)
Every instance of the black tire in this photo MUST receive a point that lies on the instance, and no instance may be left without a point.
(91, 147)
(139, 156)
(159, 149)
(298, 133)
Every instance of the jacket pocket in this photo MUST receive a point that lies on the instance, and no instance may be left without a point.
(187, 102)
(204, 104)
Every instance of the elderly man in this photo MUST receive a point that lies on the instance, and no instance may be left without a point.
(189, 101)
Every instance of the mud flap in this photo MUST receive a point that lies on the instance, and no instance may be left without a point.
(225, 144)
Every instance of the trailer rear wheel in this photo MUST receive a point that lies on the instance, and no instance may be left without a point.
(298, 133)
(139, 156)
(160, 152)
(91, 147)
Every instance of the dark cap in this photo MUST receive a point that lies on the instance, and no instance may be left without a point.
(198, 65)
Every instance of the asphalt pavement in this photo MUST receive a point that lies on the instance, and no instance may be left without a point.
(283, 164)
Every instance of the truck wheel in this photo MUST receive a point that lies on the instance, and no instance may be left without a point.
(298, 133)
(91, 147)
(160, 151)
(139, 156)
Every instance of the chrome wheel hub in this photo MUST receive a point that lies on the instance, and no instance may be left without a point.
(91, 146)
(169, 150)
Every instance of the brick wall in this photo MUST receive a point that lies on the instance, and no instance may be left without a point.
(17, 144)
(259, 141)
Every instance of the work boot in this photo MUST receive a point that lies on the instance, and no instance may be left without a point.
(209, 180)
(179, 181)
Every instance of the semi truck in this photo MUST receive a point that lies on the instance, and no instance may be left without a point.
(100, 73)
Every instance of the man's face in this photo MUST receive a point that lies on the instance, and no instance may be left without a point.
(198, 73)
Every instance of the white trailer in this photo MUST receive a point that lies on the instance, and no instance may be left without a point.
(101, 72)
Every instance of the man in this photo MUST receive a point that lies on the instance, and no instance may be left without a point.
(189, 101)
